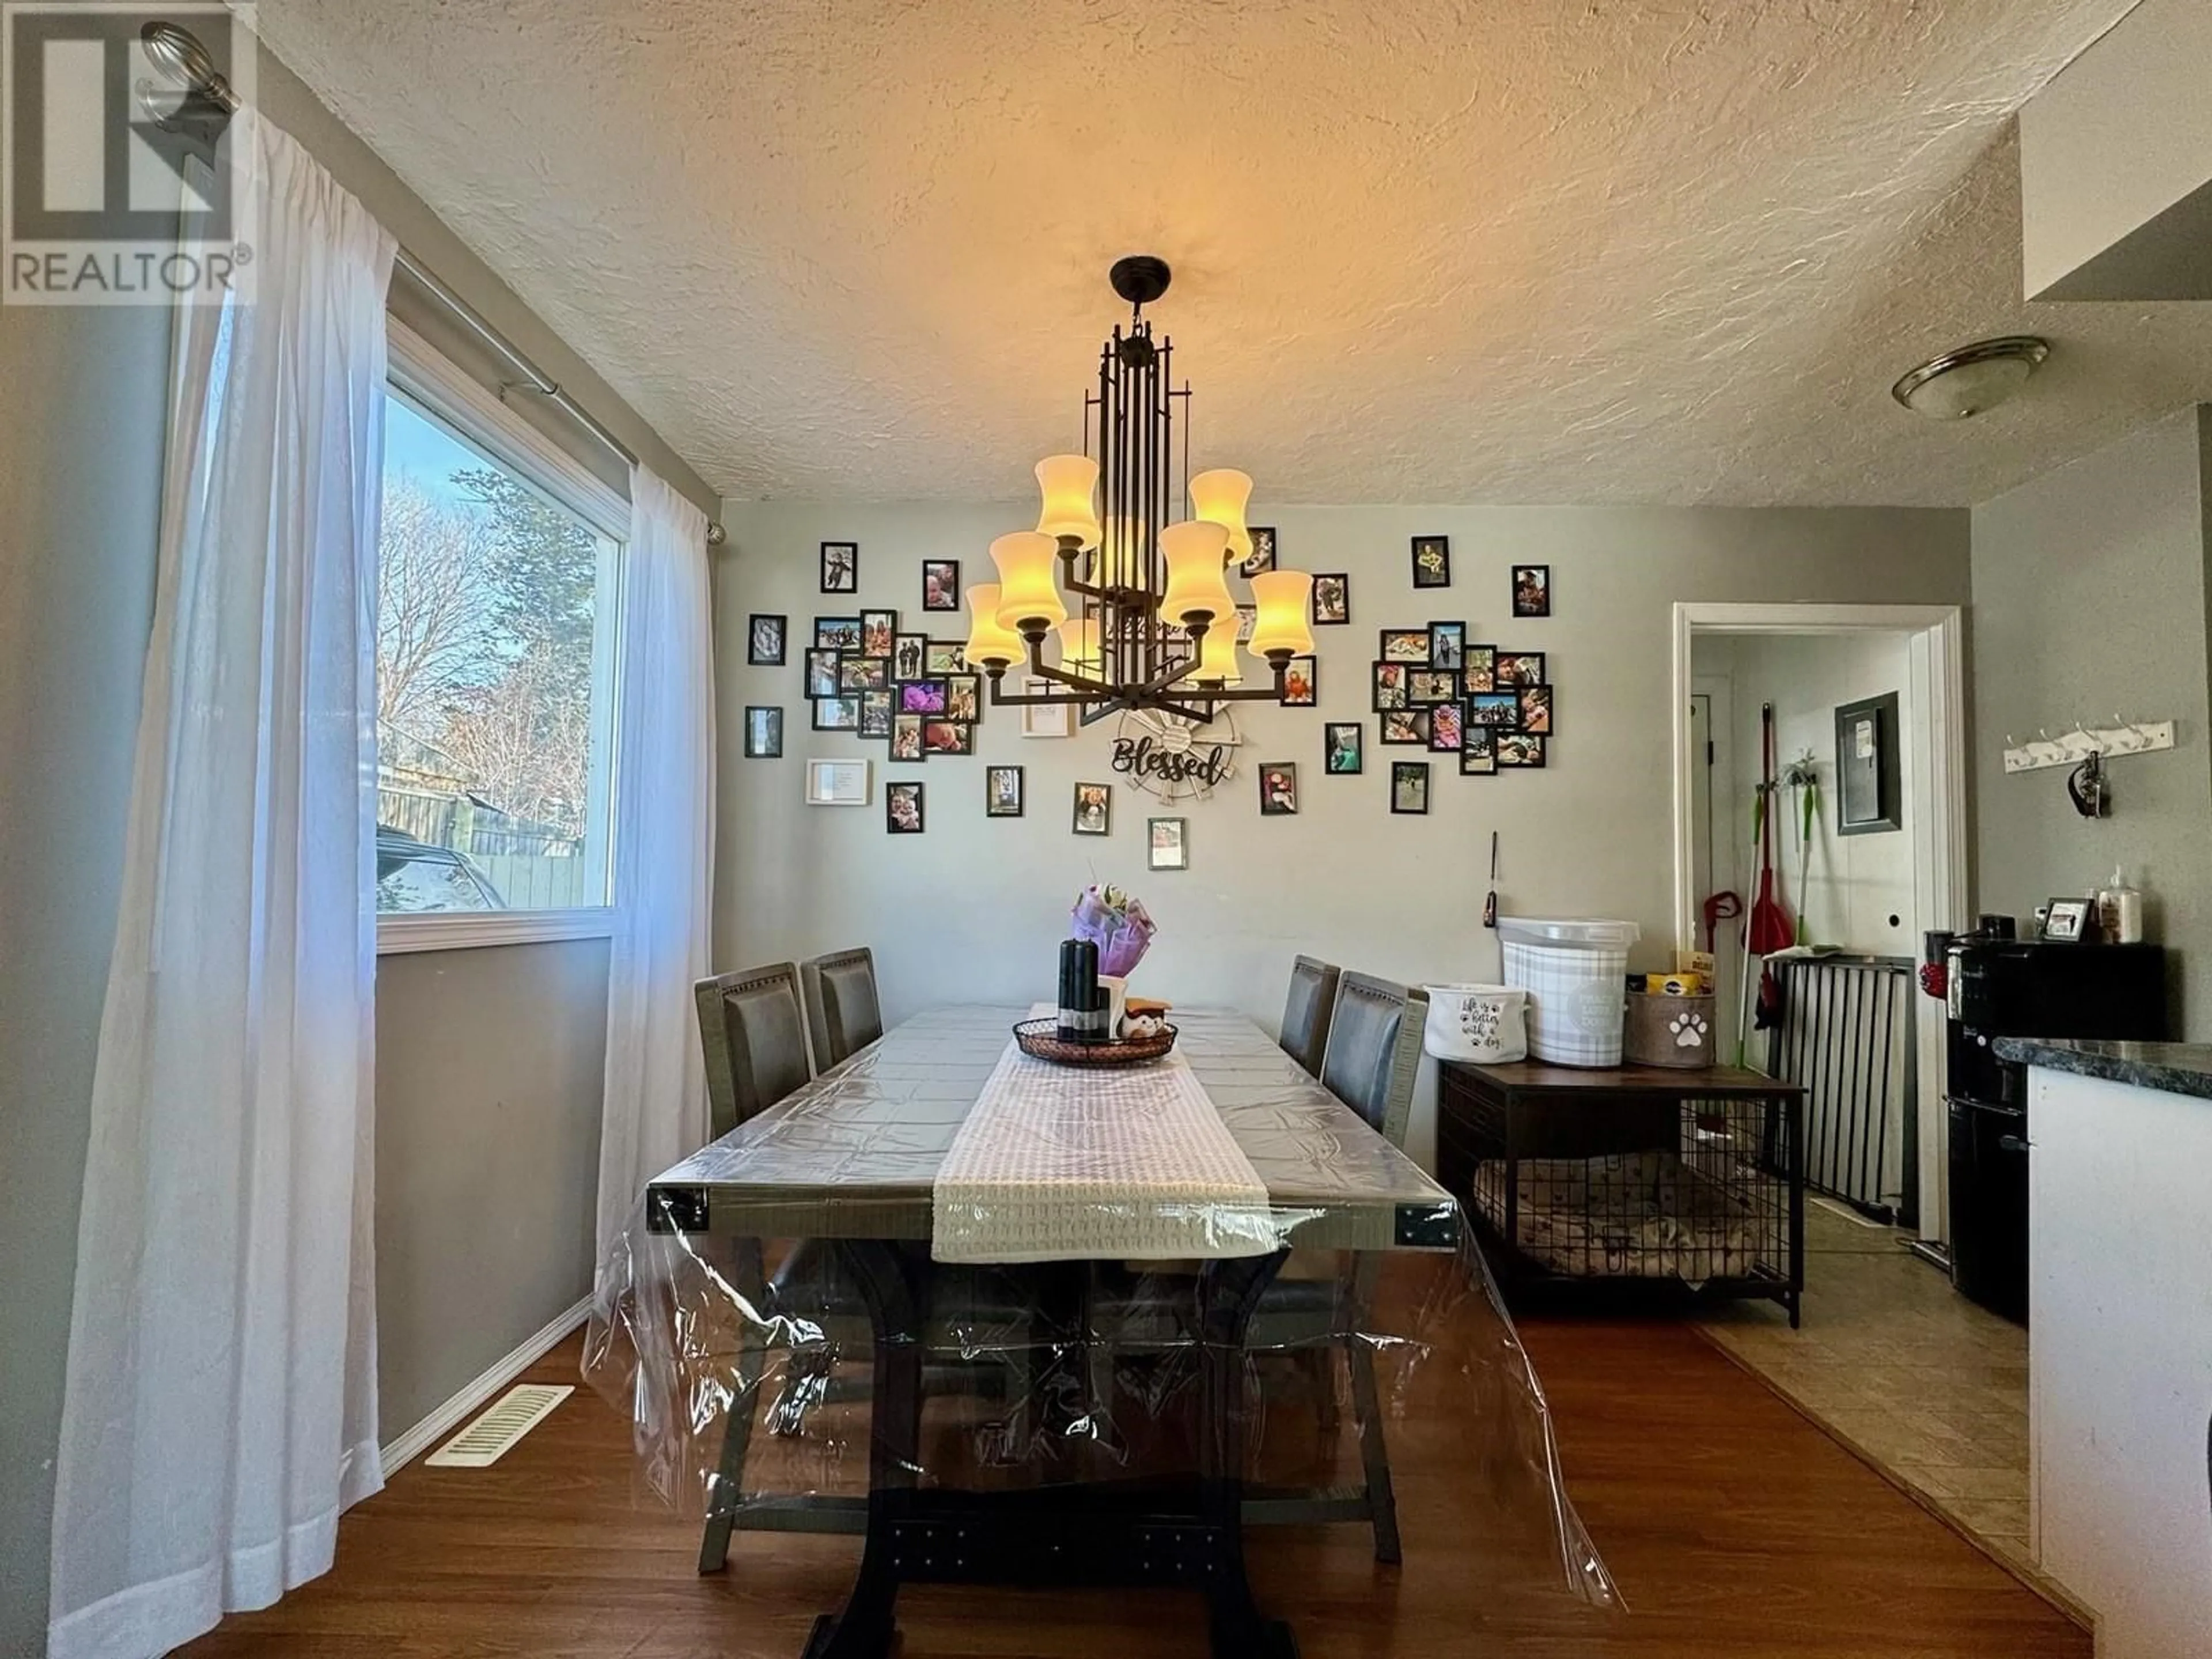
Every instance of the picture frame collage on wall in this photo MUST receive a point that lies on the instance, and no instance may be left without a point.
(914, 694)
(1493, 709)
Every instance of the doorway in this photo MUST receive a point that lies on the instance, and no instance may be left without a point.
(1715, 746)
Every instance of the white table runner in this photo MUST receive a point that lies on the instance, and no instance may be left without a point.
(1062, 1163)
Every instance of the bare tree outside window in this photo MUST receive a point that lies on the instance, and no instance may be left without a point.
(488, 604)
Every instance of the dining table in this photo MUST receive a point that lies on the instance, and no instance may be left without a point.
(941, 1143)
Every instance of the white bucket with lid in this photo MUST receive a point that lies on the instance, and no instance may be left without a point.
(1483, 1024)
(1575, 974)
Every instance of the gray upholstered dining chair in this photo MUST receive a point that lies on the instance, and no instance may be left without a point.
(1374, 1052)
(754, 1038)
(842, 1007)
(755, 1041)
(1306, 1011)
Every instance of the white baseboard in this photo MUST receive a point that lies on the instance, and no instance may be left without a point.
(479, 1389)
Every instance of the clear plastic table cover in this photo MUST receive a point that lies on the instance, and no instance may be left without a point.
(732, 1326)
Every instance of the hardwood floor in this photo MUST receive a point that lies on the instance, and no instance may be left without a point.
(1733, 1527)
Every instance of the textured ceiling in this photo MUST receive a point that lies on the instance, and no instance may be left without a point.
(1521, 252)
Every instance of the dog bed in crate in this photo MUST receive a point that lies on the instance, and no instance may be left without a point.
(1631, 1215)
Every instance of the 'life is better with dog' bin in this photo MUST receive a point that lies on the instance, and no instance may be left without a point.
(1575, 974)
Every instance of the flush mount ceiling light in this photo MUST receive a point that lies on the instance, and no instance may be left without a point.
(1965, 382)
(1136, 592)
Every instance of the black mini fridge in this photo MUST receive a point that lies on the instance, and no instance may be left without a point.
(2023, 988)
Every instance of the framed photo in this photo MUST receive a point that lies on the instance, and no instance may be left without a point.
(923, 697)
(1409, 787)
(2068, 921)
(1868, 801)
(1407, 725)
(1167, 844)
(1447, 646)
(836, 633)
(964, 697)
(947, 737)
(1428, 687)
(837, 782)
(1005, 792)
(878, 629)
(902, 807)
(763, 734)
(1248, 618)
(1262, 560)
(906, 737)
(1045, 719)
(1094, 809)
(1518, 668)
(876, 714)
(1301, 682)
(910, 657)
(1447, 730)
(1479, 672)
(764, 641)
(1279, 789)
(1332, 599)
(1520, 749)
(1532, 590)
(1406, 644)
(858, 674)
(1500, 709)
(840, 567)
(1391, 680)
(1536, 709)
(1478, 752)
(839, 713)
(940, 584)
(1344, 749)
(944, 657)
(1431, 561)
(822, 673)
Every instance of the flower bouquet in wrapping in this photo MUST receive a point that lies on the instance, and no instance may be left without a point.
(1117, 924)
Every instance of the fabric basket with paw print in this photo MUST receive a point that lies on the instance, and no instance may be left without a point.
(1669, 1031)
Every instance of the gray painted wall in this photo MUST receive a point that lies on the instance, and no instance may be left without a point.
(488, 1061)
(488, 1068)
(971, 907)
(82, 396)
(2090, 600)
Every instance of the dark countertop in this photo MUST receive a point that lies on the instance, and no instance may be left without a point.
(2175, 1068)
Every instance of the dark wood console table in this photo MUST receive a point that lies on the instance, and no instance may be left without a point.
(1579, 1179)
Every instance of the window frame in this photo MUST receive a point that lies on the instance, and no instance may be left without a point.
(425, 376)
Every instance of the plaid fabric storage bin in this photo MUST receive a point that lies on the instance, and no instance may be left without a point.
(1575, 974)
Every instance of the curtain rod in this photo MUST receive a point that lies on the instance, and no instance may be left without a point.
(177, 53)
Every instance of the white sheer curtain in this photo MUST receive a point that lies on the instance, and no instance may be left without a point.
(664, 849)
(221, 1375)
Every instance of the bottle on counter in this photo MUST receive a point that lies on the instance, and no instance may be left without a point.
(2120, 911)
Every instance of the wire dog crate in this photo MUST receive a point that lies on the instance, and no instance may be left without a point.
(1686, 1180)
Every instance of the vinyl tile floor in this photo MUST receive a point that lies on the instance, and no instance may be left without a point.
(1927, 1386)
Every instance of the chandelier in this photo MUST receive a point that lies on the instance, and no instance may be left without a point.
(1139, 605)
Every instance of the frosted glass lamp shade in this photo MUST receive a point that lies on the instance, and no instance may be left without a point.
(1122, 560)
(1027, 595)
(1196, 590)
(1220, 497)
(1079, 652)
(1218, 661)
(1285, 598)
(988, 642)
(1069, 484)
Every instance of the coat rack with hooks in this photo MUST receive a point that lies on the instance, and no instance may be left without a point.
(2072, 748)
